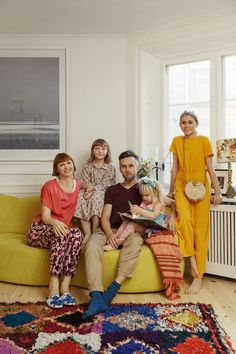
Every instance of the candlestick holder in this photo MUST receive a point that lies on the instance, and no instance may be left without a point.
(157, 168)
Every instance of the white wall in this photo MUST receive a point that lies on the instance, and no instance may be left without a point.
(150, 105)
(95, 98)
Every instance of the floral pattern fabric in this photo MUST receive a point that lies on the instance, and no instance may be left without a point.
(101, 179)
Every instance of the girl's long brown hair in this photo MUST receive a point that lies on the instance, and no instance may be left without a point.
(103, 143)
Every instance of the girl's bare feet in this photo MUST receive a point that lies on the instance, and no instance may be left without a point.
(195, 287)
(109, 247)
(193, 267)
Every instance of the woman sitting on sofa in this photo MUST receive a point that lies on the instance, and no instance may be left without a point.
(51, 229)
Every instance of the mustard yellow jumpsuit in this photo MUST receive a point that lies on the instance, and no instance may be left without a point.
(193, 217)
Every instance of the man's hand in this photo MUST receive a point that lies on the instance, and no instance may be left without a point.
(111, 238)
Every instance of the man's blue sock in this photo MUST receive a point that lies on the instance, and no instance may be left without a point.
(111, 292)
(96, 305)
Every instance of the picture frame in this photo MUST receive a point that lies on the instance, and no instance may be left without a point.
(33, 114)
(222, 176)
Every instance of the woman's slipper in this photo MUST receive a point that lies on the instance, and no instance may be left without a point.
(54, 301)
(67, 299)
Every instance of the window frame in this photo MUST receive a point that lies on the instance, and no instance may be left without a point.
(217, 104)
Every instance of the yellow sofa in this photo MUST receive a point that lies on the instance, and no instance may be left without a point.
(22, 264)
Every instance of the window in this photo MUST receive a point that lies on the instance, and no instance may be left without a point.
(207, 87)
(189, 89)
(230, 96)
(230, 102)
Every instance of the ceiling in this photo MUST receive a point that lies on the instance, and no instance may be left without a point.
(89, 17)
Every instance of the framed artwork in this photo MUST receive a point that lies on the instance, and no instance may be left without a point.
(32, 101)
(222, 176)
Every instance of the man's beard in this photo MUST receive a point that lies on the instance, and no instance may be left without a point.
(129, 178)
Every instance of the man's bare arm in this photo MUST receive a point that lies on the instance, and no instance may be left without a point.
(106, 226)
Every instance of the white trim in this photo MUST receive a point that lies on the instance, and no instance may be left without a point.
(215, 17)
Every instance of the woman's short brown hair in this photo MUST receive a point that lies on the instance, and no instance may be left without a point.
(61, 157)
(103, 143)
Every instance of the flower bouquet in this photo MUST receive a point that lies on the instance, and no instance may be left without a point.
(146, 167)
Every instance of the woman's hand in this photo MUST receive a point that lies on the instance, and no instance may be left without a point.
(171, 195)
(171, 223)
(217, 198)
(59, 228)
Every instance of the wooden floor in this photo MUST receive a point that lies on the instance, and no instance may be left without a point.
(218, 291)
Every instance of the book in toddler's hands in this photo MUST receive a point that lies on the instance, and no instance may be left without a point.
(159, 223)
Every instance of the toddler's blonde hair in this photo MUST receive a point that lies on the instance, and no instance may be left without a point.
(151, 187)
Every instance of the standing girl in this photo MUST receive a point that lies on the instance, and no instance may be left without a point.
(97, 174)
(51, 229)
(192, 155)
(151, 207)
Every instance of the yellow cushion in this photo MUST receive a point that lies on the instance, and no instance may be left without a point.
(16, 214)
(22, 264)
(146, 277)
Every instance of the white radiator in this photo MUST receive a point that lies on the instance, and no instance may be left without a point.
(222, 244)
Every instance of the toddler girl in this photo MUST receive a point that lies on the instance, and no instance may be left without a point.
(151, 207)
(97, 174)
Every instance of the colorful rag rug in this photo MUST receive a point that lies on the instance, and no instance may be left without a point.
(124, 329)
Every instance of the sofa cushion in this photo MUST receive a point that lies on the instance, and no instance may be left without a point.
(22, 264)
(16, 214)
(146, 277)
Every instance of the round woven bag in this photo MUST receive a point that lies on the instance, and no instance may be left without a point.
(195, 191)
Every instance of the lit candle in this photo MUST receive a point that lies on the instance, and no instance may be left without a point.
(157, 159)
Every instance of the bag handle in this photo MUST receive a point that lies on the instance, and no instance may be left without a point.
(185, 181)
